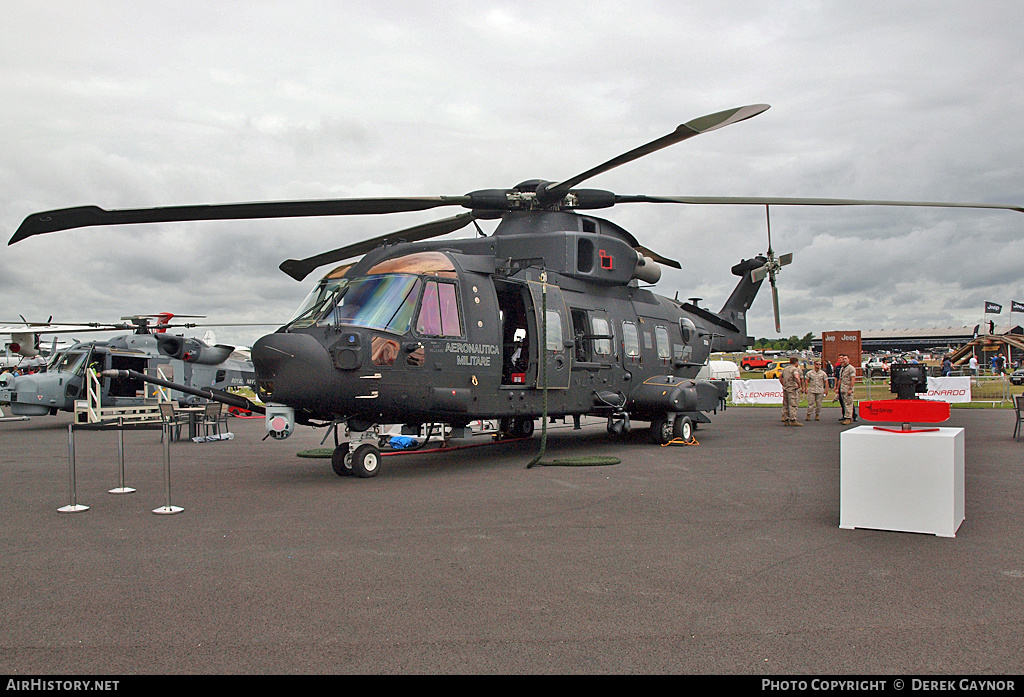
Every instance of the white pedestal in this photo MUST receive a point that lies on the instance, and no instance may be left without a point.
(909, 482)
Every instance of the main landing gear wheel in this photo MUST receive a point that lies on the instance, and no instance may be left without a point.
(684, 428)
(518, 427)
(662, 431)
(366, 461)
(522, 427)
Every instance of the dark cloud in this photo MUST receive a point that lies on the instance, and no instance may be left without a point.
(123, 105)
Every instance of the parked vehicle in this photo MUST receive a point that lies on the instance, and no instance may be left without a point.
(754, 363)
(1017, 376)
(876, 366)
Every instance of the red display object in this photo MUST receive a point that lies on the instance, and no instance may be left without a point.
(906, 411)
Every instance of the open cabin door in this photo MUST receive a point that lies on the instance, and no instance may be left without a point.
(552, 318)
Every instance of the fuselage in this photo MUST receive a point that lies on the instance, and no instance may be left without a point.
(468, 329)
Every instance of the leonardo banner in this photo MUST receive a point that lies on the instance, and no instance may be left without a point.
(756, 392)
(949, 389)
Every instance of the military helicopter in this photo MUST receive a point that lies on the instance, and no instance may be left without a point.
(148, 349)
(544, 316)
(26, 347)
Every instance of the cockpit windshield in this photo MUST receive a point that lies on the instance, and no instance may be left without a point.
(384, 302)
(312, 308)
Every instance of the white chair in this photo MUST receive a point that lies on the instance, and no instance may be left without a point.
(172, 420)
(213, 417)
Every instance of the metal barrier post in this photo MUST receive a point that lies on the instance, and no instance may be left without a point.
(74, 506)
(167, 509)
(120, 459)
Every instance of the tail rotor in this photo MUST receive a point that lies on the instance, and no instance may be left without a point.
(771, 269)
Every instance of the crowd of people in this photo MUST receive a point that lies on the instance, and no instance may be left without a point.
(816, 383)
(27, 366)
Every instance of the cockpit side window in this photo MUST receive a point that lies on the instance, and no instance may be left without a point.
(69, 362)
(439, 310)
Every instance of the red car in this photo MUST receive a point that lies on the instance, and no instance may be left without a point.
(754, 362)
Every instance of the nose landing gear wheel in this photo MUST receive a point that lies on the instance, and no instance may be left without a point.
(366, 461)
(338, 461)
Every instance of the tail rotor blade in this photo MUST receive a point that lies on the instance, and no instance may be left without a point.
(775, 304)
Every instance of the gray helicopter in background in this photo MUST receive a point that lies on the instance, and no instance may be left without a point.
(148, 349)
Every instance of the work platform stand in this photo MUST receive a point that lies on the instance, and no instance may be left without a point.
(120, 427)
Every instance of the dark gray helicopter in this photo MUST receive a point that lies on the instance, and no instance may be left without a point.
(147, 350)
(544, 316)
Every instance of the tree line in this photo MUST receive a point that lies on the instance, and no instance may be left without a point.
(793, 343)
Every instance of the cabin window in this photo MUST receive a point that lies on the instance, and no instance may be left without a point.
(602, 347)
(630, 340)
(439, 311)
(554, 331)
(664, 346)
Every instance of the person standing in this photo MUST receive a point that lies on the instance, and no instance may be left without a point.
(847, 376)
(815, 386)
(947, 366)
(792, 380)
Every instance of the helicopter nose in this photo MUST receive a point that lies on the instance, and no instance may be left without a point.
(287, 362)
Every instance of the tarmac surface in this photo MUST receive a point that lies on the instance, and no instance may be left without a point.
(724, 557)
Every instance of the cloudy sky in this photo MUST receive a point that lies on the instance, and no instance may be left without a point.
(136, 104)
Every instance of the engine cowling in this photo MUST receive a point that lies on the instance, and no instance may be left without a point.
(192, 350)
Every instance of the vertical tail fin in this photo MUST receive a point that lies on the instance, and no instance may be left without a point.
(735, 308)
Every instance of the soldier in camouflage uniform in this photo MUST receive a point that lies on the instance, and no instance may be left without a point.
(792, 380)
(847, 375)
(815, 386)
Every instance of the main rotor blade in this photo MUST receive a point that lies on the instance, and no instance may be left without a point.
(300, 268)
(88, 216)
(775, 201)
(702, 124)
(665, 261)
